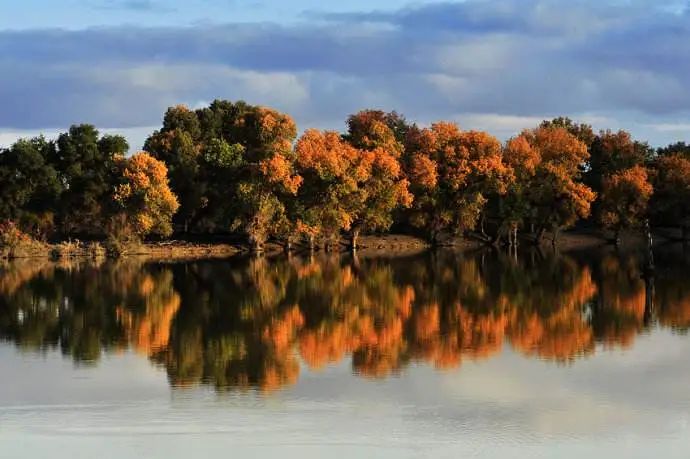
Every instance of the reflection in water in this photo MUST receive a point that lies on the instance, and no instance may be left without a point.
(253, 323)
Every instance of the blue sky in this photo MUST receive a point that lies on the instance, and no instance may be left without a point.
(499, 65)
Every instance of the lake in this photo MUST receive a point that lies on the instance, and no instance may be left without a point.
(438, 354)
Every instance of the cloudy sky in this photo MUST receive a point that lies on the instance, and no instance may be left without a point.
(499, 65)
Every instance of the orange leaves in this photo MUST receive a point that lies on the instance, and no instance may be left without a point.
(454, 173)
(521, 156)
(144, 194)
(278, 170)
(625, 196)
(370, 129)
(547, 161)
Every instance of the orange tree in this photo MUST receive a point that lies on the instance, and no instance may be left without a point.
(452, 175)
(143, 196)
(377, 135)
(333, 172)
(553, 197)
(624, 199)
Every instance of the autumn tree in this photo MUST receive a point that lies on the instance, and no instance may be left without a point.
(555, 196)
(378, 135)
(453, 173)
(582, 131)
(143, 195)
(611, 153)
(624, 199)
(333, 171)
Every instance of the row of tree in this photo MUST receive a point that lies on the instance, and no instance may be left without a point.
(234, 167)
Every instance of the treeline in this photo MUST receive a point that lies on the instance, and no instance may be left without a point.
(234, 167)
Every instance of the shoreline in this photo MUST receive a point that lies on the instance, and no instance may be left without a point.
(397, 244)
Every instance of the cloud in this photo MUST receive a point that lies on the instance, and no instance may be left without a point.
(134, 5)
(507, 59)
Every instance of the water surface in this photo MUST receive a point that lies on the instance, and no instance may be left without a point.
(433, 355)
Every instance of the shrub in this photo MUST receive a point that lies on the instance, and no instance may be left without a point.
(14, 243)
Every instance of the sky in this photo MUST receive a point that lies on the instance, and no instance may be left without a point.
(496, 65)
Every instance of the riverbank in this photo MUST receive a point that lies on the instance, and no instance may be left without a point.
(398, 244)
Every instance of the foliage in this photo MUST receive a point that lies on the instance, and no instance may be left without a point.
(236, 168)
(624, 199)
(672, 190)
(453, 174)
(548, 162)
(144, 196)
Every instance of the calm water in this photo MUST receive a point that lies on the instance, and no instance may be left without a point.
(434, 355)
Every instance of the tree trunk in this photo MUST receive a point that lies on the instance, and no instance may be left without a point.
(617, 237)
(354, 239)
(311, 243)
(288, 246)
(554, 236)
(539, 235)
(649, 268)
(481, 225)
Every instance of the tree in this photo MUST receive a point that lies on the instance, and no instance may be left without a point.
(176, 144)
(386, 188)
(624, 199)
(269, 178)
(29, 185)
(672, 191)
(680, 148)
(143, 195)
(85, 166)
(612, 152)
(554, 158)
(582, 131)
(333, 171)
(453, 173)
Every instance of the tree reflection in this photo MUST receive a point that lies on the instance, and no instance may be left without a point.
(253, 323)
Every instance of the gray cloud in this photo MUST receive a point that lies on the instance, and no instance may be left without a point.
(476, 61)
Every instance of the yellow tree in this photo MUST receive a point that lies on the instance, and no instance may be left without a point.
(143, 195)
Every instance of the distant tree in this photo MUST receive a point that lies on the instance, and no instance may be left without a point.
(143, 195)
(624, 199)
(679, 148)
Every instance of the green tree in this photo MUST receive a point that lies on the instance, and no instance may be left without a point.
(85, 165)
(29, 185)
